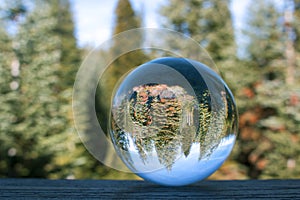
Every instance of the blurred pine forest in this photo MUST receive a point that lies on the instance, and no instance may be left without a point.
(39, 59)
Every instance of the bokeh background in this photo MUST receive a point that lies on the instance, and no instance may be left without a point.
(255, 44)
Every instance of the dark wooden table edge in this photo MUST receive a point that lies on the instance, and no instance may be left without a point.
(127, 189)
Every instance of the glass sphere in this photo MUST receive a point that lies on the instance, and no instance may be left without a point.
(173, 121)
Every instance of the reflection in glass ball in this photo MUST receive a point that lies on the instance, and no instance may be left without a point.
(173, 121)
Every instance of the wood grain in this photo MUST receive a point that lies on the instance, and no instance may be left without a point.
(107, 189)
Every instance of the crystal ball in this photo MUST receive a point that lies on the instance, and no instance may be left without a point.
(173, 121)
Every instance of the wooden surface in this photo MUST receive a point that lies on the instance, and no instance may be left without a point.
(105, 189)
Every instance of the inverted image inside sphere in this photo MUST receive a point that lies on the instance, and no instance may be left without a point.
(173, 121)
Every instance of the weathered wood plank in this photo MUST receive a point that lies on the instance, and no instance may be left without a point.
(106, 189)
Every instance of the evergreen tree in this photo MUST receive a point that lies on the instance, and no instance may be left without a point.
(70, 55)
(296, 28)
(37, 52)
(296, 25)
(209, 23)
(206, 21)
(9, 102)
(268, 120)
(38, 138)
(265, 35)
(69, 61)
(125, 19)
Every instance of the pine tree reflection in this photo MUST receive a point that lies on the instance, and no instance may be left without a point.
(169, 121)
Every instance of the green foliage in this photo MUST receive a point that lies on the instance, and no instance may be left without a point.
(296, 26)
(208, 22)
(9, 103)
(264, 33)
(36, 125)
(126, 19)
(70, 55)
(12, 10)
(153, 117)
(258, 82)
(269, 107)
(164, 118)
(37, 117)
(39, 61)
